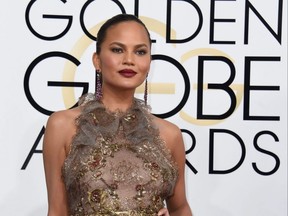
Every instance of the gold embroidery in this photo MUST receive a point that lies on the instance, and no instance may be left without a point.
(118, 164)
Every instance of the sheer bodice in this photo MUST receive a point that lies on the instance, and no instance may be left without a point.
(118, 164)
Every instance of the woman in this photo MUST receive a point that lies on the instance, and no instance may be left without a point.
(110, 155)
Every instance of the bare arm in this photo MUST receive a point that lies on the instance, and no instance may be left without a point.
(177, 204)
(54, 152)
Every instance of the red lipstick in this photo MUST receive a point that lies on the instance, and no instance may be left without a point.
(127, 73)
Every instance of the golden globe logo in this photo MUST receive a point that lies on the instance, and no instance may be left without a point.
(236, 93)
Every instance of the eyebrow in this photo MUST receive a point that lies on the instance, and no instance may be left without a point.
(123, 45)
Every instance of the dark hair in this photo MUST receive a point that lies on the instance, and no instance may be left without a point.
(114, 21)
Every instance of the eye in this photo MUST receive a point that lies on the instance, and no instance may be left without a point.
(117, 50)
(141, 52)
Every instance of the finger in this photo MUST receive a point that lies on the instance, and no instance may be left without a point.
(163, 212)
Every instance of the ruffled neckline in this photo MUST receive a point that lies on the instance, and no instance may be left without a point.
(90, 99)
(135, 123)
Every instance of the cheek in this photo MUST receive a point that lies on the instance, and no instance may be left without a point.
(145, 65)
(109, 62)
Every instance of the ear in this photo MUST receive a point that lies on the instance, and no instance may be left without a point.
(96, 61)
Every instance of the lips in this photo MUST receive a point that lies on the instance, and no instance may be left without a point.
(127, 73)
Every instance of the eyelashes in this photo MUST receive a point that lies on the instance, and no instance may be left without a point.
(139, 52)
(117, 50)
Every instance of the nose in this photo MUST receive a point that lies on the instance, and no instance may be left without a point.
(128, 58)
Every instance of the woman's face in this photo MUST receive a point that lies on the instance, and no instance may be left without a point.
(125, 56)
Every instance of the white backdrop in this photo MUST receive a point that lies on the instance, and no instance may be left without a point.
(219, 72)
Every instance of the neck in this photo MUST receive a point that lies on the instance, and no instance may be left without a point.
(121, 100)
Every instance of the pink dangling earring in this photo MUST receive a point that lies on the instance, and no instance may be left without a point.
(146, 90)
(99, 93)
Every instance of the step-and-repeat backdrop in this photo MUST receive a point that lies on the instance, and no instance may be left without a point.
(219, 72)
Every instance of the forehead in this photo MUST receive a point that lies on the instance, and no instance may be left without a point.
(127, 31)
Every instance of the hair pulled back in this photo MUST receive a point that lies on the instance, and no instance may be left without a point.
(114, 21)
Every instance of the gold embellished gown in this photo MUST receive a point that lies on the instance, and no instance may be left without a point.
(118, 164)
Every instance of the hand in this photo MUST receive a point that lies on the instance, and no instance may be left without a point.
(163, 212)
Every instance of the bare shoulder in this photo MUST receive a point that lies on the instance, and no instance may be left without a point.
(60, 128)
(165, 125)
(63, 118)
(169, 132)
